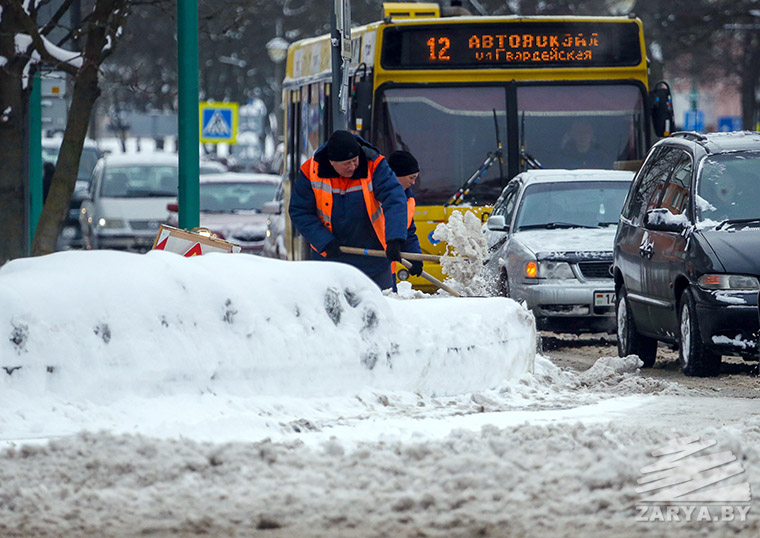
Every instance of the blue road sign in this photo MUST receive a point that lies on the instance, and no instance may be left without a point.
(694, 120)
(219, 122)
(729, 123)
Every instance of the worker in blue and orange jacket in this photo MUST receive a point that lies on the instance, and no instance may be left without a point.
(346, 195)
(407, 169)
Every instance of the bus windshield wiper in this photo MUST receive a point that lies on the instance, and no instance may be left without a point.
(527, 161)
(492, 157)
(530, 161)
(731, 222)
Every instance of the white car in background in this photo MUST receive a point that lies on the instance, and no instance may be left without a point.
(126, 200)
(550, 238)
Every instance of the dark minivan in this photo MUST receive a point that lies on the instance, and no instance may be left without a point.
(687, 251)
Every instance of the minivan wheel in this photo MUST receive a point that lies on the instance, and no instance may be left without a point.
(630, 342)
(695, 359)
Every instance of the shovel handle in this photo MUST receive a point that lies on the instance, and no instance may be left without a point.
(381, 254)
(430, 278)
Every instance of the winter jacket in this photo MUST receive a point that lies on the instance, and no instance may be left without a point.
(346, 215)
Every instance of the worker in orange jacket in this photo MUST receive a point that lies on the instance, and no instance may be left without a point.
(346, 195)
(407, 169)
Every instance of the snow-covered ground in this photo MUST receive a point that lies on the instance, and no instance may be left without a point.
(230, 395)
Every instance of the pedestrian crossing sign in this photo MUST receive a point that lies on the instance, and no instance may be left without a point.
(218, 122)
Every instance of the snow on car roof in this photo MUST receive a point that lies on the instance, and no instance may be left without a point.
(141, 158)
(240, 177)
(55, 142)
(552, 175)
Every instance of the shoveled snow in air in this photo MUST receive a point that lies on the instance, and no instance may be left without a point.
(230, 395)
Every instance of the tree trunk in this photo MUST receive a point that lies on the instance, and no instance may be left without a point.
(56, 207)
(14, 101)
(86, 92)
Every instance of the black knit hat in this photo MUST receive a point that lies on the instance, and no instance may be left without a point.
(342, 146)
(403, 163)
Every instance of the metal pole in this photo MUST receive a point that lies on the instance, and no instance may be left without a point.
(35, 156)
(338, 117)
(189, 121)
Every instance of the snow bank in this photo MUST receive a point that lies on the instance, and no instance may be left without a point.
(563, 480)
(101, 324)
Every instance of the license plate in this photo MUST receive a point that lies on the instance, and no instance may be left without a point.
(604, 298)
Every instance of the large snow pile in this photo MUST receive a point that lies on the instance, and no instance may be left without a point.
(91, 323)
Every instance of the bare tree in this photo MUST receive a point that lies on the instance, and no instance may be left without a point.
(25, 47)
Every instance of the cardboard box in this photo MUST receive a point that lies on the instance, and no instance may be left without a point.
(192, 243)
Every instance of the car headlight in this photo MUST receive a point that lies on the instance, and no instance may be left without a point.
(110, 224)
(549, 270)
(728, 282)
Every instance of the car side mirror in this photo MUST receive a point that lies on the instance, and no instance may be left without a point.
(662, 220)
(272, 208)
(497, 223)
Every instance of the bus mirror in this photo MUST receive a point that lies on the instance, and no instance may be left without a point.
(662, 109)
(362, 104)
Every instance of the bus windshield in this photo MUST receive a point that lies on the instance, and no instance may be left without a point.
(583, 126)
(451, 131)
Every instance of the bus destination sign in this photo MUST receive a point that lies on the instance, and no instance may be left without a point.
(512, 45)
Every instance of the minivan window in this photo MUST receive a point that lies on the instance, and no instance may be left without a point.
(650, 188)
(676, 197)
(729, 186)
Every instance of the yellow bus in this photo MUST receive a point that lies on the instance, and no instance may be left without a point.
(477, 100)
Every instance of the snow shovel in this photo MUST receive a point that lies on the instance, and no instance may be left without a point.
(405, 257)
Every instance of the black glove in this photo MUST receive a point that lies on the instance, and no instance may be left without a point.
(393, 250)
(332, 250)
(416, 268)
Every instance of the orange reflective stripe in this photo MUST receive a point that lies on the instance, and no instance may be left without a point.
(322, 194)
(375, 211)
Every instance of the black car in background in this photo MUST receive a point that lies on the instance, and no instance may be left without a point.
(687, 251)
(71, 233)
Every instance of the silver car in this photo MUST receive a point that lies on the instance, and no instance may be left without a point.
(274, 242)
(126, 201)
(550, 238)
